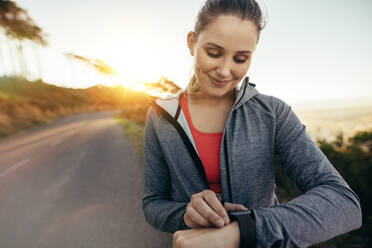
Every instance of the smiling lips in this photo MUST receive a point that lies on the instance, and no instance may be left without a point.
(219, 82)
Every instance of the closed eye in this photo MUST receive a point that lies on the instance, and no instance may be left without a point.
(214, 53)
(240, 59)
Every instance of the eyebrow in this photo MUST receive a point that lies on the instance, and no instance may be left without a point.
(212, 44)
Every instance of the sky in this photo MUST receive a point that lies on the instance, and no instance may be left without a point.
(309, 50)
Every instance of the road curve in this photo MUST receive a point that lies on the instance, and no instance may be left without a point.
(76, 182)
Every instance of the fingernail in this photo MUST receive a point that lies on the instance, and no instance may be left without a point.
(227, 220)
(220, 223)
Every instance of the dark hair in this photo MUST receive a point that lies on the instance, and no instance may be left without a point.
(245, 9)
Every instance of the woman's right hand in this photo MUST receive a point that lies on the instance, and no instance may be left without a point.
(204, 210)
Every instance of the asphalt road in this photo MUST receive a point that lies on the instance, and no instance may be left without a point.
(76, 182)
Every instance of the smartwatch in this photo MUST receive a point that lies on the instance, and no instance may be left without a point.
(247, 227)
(233, 215)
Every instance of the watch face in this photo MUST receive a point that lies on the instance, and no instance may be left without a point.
(236, 213)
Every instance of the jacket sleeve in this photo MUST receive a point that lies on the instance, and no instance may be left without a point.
(327, 207)
(160, 210)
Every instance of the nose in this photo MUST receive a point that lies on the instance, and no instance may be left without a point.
(223, 69)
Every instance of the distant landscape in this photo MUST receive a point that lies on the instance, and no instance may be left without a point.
(27, 104)
(24, 104)
(327, 122)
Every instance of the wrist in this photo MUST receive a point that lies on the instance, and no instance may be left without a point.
(233, 232)
(184, 226)
(247, 227)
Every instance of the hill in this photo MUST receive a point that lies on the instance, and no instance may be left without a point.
(328, 122)
(25, 104)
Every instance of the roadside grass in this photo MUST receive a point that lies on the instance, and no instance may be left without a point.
(135, 133)
(133, 119)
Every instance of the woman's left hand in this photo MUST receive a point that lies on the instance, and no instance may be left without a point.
(225, 237)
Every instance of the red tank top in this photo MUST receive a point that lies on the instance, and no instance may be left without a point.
(208, 146)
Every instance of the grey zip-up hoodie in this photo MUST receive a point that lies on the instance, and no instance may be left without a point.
(257, 128)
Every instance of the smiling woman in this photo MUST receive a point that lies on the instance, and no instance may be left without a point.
(210, 149)
(222, 53)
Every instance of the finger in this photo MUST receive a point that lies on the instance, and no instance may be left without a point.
(207, 212)
(234, 207)
(196, 219)
(242, 207)
(211, 198)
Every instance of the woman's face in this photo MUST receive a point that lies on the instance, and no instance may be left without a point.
(223, 53)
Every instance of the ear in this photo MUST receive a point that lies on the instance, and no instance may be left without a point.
(191, 42)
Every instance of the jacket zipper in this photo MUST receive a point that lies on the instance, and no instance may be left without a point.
(190, 147)
(229, 187)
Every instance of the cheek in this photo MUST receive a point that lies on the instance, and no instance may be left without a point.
(241, 70)
(204, 62)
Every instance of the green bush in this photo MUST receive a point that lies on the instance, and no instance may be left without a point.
(353, 160)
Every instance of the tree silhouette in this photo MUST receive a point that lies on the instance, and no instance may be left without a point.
(164, 85)
(97, 65)
(19, 26)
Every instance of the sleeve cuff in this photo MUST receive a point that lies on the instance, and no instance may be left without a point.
(247, 228)
(183, 225)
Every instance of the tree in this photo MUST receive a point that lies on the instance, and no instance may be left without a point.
(19, 26)
(164, 85)
(102, 68)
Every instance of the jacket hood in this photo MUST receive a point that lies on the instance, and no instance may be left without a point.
(171, 107)
(246, 91)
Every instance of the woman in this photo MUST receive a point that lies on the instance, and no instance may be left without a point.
(209, 151)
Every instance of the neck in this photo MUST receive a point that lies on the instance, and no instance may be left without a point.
(208, 100)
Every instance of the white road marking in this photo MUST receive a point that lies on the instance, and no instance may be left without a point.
(14, 167)
(74, 163)
(55, 142)
(71, 133)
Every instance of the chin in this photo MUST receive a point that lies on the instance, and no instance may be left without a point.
(214, 91)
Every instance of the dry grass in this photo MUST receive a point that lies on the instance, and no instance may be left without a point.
(135, 133)
(133, 119)
(25, 104)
